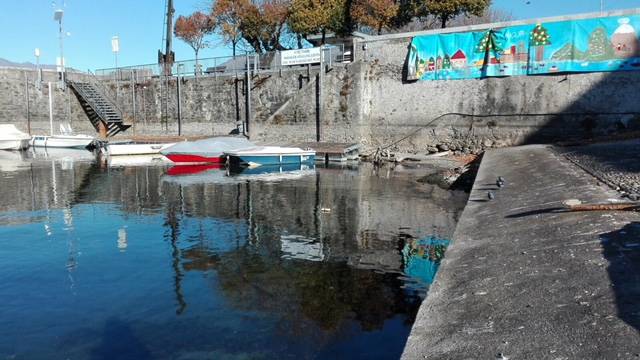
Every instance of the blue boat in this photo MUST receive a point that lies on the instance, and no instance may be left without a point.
(270, 155)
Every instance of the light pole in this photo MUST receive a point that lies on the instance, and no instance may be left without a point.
(57, 16)
(36, 52)
(602, 6)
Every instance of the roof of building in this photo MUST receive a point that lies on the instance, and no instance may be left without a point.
(459, 55)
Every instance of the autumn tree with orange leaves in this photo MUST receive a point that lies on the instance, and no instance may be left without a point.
(228, 15)
(263, 23)
(259, 23)
(193, 29)
(316, 17)
(375, 14)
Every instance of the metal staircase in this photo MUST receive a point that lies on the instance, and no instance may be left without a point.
(100, 109)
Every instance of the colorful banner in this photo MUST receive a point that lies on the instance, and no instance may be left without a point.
(591, 45)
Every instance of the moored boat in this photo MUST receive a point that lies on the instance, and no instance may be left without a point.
(206, 151)
(129, 148)
(62, 141)
(13, 139)
(270, 155)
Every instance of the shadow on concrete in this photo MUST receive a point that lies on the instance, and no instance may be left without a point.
(119, 342)
(622, 249)
(537, 212)
(609, 109)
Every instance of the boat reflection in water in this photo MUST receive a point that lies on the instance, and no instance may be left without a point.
(219, 174)
(155, 262)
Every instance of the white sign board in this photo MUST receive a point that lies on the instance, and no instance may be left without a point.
(300, 56)
(59, 64)
(115, 44)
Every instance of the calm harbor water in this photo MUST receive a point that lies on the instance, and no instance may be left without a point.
(126, 261)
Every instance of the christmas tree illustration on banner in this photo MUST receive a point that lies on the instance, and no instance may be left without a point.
(489, 45)
(539, 39)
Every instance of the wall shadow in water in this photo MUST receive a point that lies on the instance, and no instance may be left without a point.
(119, 342)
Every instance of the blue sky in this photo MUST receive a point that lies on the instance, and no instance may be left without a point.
(27, 24)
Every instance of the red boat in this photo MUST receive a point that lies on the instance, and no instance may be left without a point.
(191, 159)
(206, 151)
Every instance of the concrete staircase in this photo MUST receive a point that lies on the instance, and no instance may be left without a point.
(103, 113)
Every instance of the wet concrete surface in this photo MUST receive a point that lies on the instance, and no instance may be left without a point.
(525, 279)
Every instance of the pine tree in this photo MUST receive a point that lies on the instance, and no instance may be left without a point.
(446, 62)
(489, 42)
(539, 39)
(599, 46)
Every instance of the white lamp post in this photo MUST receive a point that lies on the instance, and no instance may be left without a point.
(36, 52)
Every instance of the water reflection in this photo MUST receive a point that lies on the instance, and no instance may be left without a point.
(293, 262)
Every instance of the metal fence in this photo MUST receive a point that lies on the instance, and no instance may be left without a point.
(220, 66)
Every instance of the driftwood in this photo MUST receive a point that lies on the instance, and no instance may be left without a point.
(577, 205)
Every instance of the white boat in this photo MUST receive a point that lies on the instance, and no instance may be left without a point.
(66, 139)
(13, 139)
(62, 141)
(137, 160)
(117, 149)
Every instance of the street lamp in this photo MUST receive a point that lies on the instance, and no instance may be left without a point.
(57, 16)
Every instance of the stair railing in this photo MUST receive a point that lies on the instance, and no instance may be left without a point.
(107, 93)
(98, 110)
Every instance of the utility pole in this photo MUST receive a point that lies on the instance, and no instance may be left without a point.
(320, 100)
(168, 57)
(247, 98)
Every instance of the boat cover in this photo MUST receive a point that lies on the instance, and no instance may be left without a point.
(209, 147)
(10, 132)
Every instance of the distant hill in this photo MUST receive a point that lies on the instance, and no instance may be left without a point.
(24, 65)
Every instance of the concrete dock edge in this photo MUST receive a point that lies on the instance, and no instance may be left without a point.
(524, 279)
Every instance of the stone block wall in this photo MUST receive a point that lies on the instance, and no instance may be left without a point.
(14, 86)
(367, 102)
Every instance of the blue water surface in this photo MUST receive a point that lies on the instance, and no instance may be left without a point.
(129, 262)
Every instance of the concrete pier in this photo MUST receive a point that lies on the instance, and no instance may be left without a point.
(525, 279)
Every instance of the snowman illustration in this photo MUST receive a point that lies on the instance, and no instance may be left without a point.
(624, 40)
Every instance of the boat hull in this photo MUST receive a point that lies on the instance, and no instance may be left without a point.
(14, 144)
(67, 142)
(136, 149)
(194, 159)
(271, 159)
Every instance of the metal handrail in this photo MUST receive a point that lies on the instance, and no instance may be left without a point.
(97, 108)
(106, 92)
